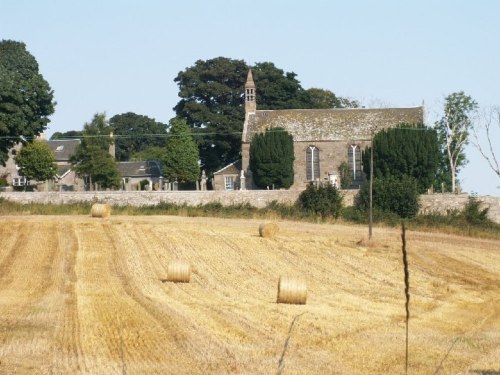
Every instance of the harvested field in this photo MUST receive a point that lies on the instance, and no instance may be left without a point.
(80, 295)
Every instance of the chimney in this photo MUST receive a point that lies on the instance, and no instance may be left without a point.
(112, 146)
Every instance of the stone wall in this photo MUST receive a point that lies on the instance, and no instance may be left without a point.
(442, 203)
(258, 198)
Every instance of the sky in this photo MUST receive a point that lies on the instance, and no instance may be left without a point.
(119, 56)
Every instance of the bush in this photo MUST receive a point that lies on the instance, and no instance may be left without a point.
(323, 200)
(473, 213)
(3, 182)
(398, 195)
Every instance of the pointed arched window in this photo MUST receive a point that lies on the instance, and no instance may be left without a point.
(354, 161)
(312, 163)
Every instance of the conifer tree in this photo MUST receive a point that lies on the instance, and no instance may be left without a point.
(271, 159)
(408, 150)
(181, 153)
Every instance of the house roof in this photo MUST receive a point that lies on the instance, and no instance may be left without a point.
(149, 168)
(63, 149)
(62, 170)
(329, 124)
(233, 168)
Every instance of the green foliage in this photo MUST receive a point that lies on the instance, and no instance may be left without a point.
(3, 182)
(398, 195)
(325, 99)
(345, 175)
(36, 161)
(143, 184)
(92, 160)
(181, 154)
(453, 134)
(322, 200)
(473, 213)
(277, 89)
(135, 133)
(149, 153)
(409, 150)
(69, 134)
(212, 102)
(26, 99)
(271, 159)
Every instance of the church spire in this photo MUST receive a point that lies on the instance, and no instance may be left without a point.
(250, 104)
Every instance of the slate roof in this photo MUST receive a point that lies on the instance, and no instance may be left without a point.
(329, 124)
(150, 168)
(63, 149)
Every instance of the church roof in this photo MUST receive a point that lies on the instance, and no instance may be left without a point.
(329, 124)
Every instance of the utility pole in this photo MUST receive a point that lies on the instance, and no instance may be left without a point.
(370, 219)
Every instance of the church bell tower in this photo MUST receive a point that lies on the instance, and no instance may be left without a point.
(250, 104)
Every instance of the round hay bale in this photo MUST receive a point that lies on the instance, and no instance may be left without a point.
(292, 290)
(268, 230)
(100, 210)
(179, 271)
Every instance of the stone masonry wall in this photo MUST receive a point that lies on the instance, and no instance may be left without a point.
(258, 198)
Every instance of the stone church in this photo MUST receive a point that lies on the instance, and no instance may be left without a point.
(323, 139)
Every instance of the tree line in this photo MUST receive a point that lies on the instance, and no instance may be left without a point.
(206, 132)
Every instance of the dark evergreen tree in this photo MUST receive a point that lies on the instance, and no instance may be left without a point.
(398, 195)
(408, 150)
(271, 159)
(180, 160)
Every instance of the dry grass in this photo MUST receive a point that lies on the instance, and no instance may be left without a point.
(85, 296)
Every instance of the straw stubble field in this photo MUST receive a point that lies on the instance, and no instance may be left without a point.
(84, 295)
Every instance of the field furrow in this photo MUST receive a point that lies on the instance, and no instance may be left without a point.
(90, 296)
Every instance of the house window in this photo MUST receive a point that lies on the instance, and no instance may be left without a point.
(312, 163)
(354, 160)
(229, 182)
(19, 181)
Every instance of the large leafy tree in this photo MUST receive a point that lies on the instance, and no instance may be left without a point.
(277, 89)
(181, 155)
(66, 135)
(92, 159)
(36, 161)
(212, 102)
(135, 133)
(325, 99)
(453, 131)
(409, 150)
(271, 158)
(26, 99)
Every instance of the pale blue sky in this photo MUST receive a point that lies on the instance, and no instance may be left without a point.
(120, 56)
